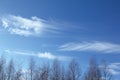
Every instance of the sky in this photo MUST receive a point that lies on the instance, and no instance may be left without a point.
(63, 29)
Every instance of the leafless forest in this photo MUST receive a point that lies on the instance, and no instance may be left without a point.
(54, 71)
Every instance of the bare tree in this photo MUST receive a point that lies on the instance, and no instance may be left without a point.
(2, 68)
(93, 72)
(31, 68)
(44, 75)
(25, 75)
(74, 71)
(37, 75)
(63, 77)
(106, 75)
(55, 74)
(11, 71)
(18, 74)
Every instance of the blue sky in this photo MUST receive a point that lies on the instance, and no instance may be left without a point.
(63, 29)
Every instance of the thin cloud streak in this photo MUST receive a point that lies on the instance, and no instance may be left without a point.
(46, 55)
(27, 27)
(96, 46)
(114, 68)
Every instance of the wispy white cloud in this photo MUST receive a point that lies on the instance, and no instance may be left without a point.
(97, 46)
(27, 27)
(46, 55)
(114, 68)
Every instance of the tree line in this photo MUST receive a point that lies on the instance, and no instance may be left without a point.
(54, 71)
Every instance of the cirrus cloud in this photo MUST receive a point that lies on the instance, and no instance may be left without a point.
(45, 55)
(97, 46)
(27, 26)
(114, 68)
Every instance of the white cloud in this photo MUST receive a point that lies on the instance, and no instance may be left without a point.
(27, 27)
(97, 46)
(46, 55)
(114, 68)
